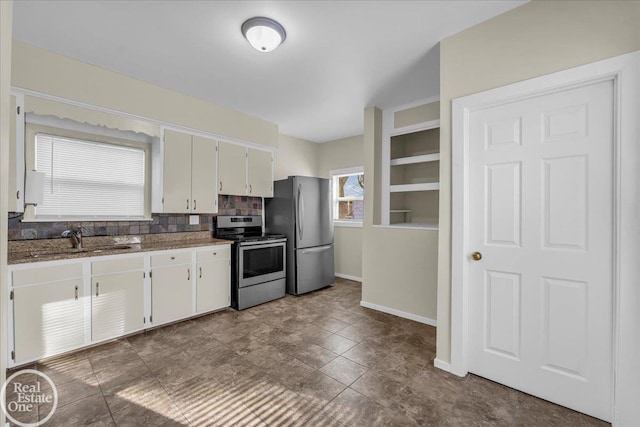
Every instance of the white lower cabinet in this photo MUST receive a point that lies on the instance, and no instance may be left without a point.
(56, 307)
(213, 290)
(117, 304)
(117, 297)
(48, 318)
(171, 292)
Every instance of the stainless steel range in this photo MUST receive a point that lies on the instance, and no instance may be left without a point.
(258, 260)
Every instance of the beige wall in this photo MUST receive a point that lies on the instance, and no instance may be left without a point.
(46, 72)
(6, 15)
(414, 115)
(399, 265)
(295, 157)
(341, 154)
(535, 39)
(348, 251)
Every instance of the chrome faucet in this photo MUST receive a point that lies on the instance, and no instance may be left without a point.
(76, 237)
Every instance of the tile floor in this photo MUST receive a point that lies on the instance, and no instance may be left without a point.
(315, 360)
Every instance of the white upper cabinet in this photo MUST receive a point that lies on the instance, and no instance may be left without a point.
(188, 174)
(16, 155)
(260, 173)
(203, 175)
(176, 179)
(232, 174)
(245, 171)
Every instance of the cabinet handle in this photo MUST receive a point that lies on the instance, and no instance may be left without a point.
(200, 273)
(97, 289)
(76, 293)
(188, 274)
(18, 194)
(173, 257)
(250, 189)
(220, 186)
(187, 204)
(194, 204)
(215, 253)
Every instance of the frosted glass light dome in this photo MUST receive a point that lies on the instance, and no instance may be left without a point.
(263, 34)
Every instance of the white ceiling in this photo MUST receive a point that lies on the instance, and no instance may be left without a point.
(338, 58)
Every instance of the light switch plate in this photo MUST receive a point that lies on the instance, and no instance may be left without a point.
(194, 219)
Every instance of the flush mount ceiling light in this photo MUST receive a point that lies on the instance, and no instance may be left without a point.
(264, 34)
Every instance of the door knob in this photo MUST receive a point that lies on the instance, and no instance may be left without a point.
(476, 256)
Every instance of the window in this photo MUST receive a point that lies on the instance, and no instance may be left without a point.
(348, 196)
(90, 180)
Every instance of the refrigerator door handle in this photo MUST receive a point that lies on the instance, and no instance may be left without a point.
(300, 211)
(318, 249)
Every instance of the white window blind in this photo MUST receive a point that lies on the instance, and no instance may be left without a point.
(85, 179)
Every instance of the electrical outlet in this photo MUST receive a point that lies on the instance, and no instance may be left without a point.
(194, 219)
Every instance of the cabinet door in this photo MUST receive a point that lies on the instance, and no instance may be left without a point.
(204, 185)
(176, 179)
(171, 293)
(48, 318)
(232, 169)
(260, 172)
(213, 285)
(16, 156)
(117, 304)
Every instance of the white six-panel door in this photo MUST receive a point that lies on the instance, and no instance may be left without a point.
(541, 197)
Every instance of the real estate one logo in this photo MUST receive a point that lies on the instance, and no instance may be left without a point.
(23, 392)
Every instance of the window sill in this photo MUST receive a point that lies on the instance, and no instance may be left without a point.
(352, 224)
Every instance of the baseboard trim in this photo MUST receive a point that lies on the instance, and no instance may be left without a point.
(446, 366)
(441, 364)
(349, 277)
(399, 313)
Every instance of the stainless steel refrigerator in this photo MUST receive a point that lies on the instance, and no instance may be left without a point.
(301, 210)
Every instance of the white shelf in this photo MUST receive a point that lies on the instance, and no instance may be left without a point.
(424, 158)
(414, 225)
(405, 188)
(410, 167)
(411, 225)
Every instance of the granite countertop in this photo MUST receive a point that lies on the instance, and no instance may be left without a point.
(29, 251)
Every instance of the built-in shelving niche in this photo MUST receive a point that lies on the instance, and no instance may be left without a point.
(414, 174)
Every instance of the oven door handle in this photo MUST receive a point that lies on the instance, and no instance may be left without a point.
(264, 243)
(318, 249)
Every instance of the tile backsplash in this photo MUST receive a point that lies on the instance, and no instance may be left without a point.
(239, 205)
(160, 223)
